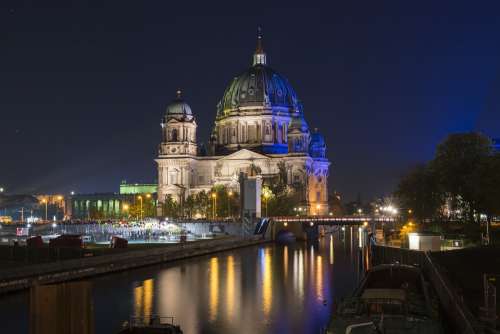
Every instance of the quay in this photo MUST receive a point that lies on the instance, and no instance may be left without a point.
(24, 277)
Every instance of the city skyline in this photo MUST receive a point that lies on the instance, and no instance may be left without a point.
(85, 90)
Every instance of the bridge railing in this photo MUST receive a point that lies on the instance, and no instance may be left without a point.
(326, 219)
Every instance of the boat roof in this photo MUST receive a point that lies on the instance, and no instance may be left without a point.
(394, 294)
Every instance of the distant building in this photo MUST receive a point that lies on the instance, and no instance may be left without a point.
(138, 188)
(109, 205)
(260, 129)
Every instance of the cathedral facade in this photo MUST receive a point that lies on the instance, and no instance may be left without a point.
(259, 129)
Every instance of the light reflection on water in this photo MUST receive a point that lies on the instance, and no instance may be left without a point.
(262, 289)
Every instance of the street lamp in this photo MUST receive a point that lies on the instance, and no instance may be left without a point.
(2, 189)
(214, 204)
(266, 193)
(125, 207)
(45, 202)
(229, 195)
(140, 199)
(61, 199)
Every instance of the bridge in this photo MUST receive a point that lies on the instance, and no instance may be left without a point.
(307, 227)
(330, 220)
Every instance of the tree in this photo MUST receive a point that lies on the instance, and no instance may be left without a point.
(487, 187)
(201, 203)
(420, 192)
(456, 163)
(189, 206)
(170, 207)
(227, 201)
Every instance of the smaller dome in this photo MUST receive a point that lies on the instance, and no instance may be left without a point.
(298, 124)
(317, 145)
(178, 108)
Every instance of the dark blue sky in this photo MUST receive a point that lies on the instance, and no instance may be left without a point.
(84, 84)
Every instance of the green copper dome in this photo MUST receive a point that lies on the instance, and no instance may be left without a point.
(259, 86)
(178, 108)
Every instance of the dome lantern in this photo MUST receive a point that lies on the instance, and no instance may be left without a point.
(259, 56)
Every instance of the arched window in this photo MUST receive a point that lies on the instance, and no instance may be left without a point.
(174, 134)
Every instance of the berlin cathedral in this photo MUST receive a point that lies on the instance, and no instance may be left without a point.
(259, 128)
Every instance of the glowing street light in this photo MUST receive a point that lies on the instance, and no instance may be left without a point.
(229, 195)
(44, 201)
(72, 193)
(2, 189)
(266, 193)
(214, 204)
(140, 199)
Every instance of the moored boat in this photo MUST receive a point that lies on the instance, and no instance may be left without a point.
(392, 298)
(151, 325)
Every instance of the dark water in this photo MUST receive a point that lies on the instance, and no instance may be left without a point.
(262, 289)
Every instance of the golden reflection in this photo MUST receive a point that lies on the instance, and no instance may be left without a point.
(143, 299)
(138, 298)
(295, 271)
(214, 288)
(301, 274)
(319, 278)
(332, 259)
(148, 297)
(230, 288)
(285, 262)
(267, 296)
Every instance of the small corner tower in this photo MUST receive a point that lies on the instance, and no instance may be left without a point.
(178, 129)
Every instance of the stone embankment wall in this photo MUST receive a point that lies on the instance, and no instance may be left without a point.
(24, 277)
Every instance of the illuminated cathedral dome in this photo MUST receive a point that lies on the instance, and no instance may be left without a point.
(259, 86)
(178, 108)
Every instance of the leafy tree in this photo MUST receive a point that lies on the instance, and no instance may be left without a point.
(189, 206)
(455, 164)
(171, 207)
(420, 192)
(201, 203)
(487, 187)
(227, 203)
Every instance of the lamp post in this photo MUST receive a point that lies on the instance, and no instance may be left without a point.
(229, 195)
(61, 199)
(46, 203)
(214, 204)
(140, 199)
(148, 196)
(125, 207)
(266, 199)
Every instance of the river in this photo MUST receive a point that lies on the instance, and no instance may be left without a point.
(262, 289)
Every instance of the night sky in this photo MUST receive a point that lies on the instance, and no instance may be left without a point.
(84, 84)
